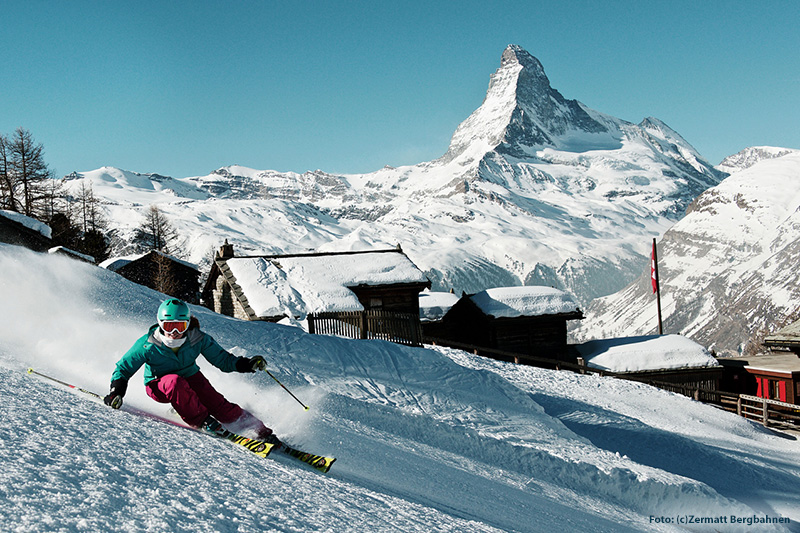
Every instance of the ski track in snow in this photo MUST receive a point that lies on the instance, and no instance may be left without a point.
(426, 439)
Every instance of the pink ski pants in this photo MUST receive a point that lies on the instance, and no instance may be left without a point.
(193, 398)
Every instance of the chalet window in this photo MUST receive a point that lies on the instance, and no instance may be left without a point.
(774, 390)
(376, 303)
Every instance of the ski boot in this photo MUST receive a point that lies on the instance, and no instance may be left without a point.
(270, 438)
(211, 425)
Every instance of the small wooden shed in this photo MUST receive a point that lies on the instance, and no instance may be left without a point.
(160, 272)
(433, 306)
(528, 320)
(24, 231)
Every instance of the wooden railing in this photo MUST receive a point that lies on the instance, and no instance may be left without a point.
(768, 412)
(401, 328)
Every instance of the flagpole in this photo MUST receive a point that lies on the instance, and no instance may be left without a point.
(656, 286)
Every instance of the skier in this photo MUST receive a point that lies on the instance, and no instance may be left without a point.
(168, 352)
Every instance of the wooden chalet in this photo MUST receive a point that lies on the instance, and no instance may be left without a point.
(774, 375)
(359, 294)
(160, 272)
(528, 321)
(24, 231)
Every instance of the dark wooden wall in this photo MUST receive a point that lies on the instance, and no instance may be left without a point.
(539, 336)
(393, 298)
(145, 271)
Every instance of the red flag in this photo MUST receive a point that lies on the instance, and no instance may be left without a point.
(653, 274)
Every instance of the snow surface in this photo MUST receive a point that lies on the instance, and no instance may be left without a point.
(296, 286)
(426, 439)
(655, 352)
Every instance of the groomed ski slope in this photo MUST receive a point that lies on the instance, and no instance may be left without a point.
(426, 439)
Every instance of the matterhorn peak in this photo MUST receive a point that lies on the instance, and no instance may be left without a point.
(521, 113)
(516, 55)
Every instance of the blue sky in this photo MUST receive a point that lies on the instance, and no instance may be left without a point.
(182, 88)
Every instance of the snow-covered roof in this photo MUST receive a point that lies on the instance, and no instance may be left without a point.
(434, 305)
(302, 284)
(28, 222)
(115, 263)
(787, 336)
(63, 250)
(773, 362)
(512, 302)
(654, 352)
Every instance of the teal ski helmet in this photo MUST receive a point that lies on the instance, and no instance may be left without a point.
(173, 309)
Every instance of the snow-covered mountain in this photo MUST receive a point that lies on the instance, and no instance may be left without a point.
(750, 156)
(728, 270)
(534, 189)
(427, 439)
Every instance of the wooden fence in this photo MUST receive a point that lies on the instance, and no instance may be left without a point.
(401, 328)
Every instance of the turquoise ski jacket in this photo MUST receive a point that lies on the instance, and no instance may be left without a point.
(159, 360)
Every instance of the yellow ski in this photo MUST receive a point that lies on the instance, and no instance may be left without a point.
(320, 462)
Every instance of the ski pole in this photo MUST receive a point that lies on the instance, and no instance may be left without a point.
(90, 393)
(287, 390)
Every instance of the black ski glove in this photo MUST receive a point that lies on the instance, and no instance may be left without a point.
(248, 365)
(118, 389)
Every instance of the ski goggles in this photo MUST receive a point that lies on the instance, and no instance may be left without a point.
(173, 326)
